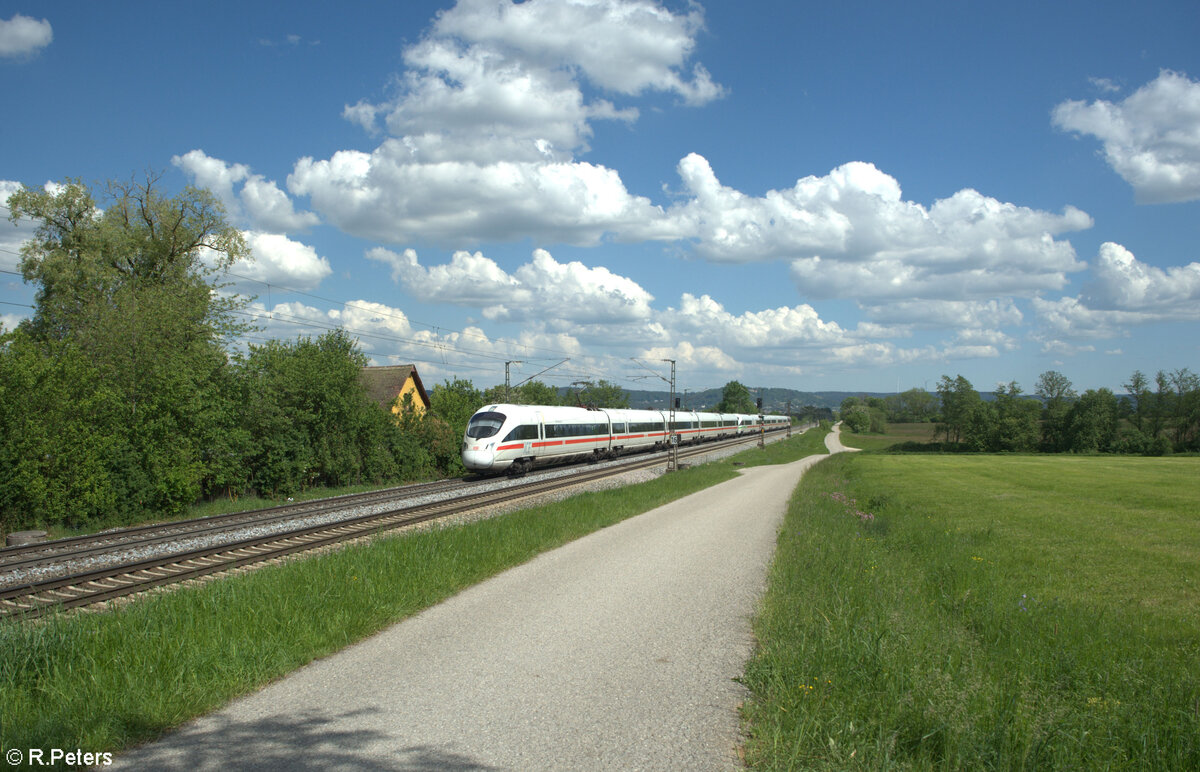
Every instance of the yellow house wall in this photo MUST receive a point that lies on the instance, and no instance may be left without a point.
(410, 387)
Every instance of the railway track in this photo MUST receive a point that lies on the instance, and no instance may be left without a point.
(32, 599)
(27, 556)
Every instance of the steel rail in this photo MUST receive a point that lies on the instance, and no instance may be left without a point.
(33, 599)
(60, 550)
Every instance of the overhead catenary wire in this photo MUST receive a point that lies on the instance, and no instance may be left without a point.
(440, 344)
(351, 304)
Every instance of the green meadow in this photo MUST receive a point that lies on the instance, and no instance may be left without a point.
(983, 612)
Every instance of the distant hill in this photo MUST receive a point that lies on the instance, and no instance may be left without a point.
(774, 400)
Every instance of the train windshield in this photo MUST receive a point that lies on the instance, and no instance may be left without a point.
(484, 425)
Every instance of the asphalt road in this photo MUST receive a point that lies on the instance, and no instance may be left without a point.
(617, 651)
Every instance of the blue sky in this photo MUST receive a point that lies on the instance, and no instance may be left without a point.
(820, 196)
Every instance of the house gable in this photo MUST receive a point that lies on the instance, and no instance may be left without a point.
(388, 384)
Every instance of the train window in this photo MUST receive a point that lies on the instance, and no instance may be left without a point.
(524, 432)
(484, 425)
(618, 428)
(576, 430)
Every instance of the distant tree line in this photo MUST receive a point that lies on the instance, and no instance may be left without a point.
(1155, 417)
(1147, 421)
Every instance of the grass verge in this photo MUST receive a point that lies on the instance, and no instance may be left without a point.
(896, 434)
(104, 681)
(982, 612)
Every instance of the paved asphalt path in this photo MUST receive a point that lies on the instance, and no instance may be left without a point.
(617, 651)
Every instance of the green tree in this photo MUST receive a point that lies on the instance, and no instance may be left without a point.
(309, 417)
(735, 398)
(1158, 405)
(912, 406)
(527, 393)
(1139, 388)
(128, 289)
(856, 418)
(62, 440)
(538, 393)
(1057, 398)
(143, 247)
(455, 402)
(960, 405)
(1092, 422)
(1185, 413)
(603, 394)
(979, 432)
(1017, 428)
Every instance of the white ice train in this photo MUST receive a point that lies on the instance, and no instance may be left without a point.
(516, 438)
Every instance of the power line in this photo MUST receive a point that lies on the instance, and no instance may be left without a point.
(439, 344)
(286, 318)
(405, 317)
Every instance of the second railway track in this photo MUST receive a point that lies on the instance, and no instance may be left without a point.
(30, 599)
(28, 556)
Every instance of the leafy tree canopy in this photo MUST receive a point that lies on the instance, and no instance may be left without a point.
(735, 398)
(603, 394)
(141, 248)
(455, 402)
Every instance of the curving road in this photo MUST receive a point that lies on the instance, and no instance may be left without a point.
(617, 651)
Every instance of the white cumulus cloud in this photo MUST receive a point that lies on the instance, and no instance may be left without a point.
(692, 357)
(851, 234)
(542, 289)
(626, 46)
(1124, 283)
(24, 35)
(488, 118)
(281, 261)
(1069, 318)
(260, 201)
(387, 196)
(12, 235)
(1151, 138)
(1124, 292)
(706, 319)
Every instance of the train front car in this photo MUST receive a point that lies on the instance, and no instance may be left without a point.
(490, 434)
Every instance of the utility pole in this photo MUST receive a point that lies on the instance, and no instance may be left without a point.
(762, 429)
(672, 437)
(506, 364)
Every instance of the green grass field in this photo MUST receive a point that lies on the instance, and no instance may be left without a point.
(896, 434)
(983, 612)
